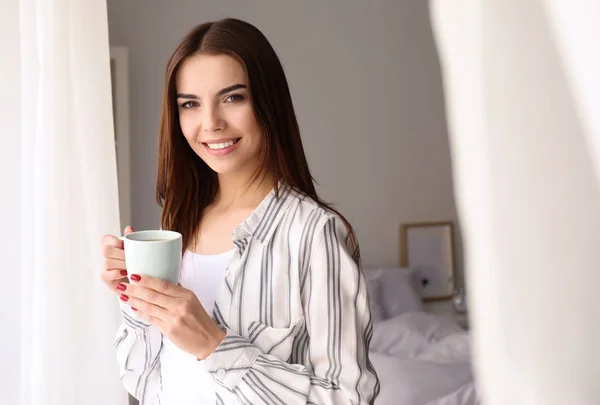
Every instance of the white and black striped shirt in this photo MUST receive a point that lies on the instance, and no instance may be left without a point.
(295, 307)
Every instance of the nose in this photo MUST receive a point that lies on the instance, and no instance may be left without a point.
(212, 120)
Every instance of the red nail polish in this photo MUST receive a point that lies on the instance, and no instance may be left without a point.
(123, 272)
(135, 277)
(121, 287)
(133, 308)
(124, 298)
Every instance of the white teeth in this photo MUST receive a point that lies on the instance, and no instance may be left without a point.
(217, 146)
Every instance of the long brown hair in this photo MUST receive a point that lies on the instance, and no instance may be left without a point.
(185, 185)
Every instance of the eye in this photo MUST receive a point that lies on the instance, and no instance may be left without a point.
(189, 104)
(234, 98)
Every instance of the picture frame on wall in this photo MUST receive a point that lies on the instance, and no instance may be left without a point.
(428, 249)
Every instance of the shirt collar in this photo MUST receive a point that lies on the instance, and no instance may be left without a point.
(261, 224)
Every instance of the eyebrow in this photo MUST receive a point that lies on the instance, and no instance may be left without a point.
(219, 93)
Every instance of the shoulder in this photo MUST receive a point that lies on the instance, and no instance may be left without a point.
(307, 215)
(307, 228)
(323, 236)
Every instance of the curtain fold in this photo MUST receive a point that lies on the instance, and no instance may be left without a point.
(522, 93)
(60, 149)
(575, 28)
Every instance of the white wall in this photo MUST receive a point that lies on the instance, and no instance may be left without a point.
(367, 88)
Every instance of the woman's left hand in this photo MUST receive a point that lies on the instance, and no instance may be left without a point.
(176, 311)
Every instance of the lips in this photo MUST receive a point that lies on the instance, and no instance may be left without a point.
(222, 144)
(221, 147)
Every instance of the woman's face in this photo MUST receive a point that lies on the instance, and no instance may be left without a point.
(216, 113)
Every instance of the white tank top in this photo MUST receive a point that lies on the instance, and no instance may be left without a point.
(184, 380)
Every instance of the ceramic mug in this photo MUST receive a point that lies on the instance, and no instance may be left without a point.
(153, 253)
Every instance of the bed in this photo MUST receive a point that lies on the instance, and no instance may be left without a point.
(421, 358)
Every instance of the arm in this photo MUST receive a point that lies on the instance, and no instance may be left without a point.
(137, 345)
(340, 371)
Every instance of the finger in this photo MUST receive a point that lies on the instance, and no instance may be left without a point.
(115, 264)
(111, 240)
(147, 295)
(145, 307)
(113, 285)
(128, 229)
(112, 252)
(111, 282)
(156, 284)
(111, 275)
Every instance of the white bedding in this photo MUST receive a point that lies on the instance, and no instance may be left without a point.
(422, 359)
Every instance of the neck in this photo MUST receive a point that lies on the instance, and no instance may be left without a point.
(238, 192)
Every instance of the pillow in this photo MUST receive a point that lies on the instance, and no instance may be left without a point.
(394, 291)
(377, 313)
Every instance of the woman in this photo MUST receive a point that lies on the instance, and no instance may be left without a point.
(276, 266)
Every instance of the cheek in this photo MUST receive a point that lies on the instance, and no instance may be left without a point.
(248, 124)
(242, 118)
(188, 126)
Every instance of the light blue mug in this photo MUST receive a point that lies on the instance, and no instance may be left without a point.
(153, 253)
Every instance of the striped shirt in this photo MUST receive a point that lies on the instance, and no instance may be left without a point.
(296, 311)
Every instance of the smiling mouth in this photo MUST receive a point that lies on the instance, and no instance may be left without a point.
(222, 145)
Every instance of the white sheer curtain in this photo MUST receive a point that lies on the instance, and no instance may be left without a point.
(59, 195)
(523, 94)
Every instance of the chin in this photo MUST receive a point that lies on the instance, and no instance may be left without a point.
(225, 168)
(230, 165)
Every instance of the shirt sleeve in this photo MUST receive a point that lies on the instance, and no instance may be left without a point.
(338, 322)
(137, 346)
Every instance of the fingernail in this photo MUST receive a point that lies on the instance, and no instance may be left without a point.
(135, 277)
(123, 272)
(121, 287)
(124, 298)
(134, 308)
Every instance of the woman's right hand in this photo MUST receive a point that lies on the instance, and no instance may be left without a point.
(114, 269)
